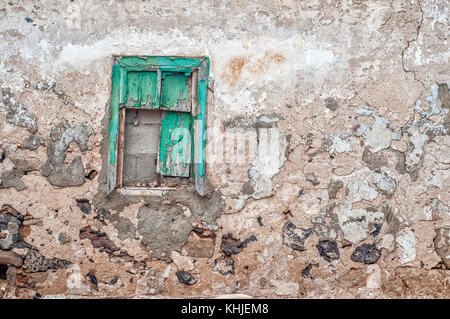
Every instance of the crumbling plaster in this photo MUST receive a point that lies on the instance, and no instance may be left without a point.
(351, 200)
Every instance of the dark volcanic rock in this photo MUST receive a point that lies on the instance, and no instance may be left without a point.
(328, 250)
(232, 246)
(35, 262)
(186, 278)
(294, 237)
(367, 254)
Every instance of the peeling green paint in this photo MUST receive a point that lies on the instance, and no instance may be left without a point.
(159, 61)
(175, 144)
(143, 89)
(113, 129)
(137, 82)
(201, 116)
(174, 89)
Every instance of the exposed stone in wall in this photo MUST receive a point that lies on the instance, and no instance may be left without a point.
(331, 103)
(233, 246)
(35, 262)
(54, 169)
(224, 266)
(270, 157)
(328, 250)
(294, 237)
(17, 113)
(380, 134)
(336, 143)
(367, 254)
(32, 142)
(385, 184)
(10, 222)
(333, 188)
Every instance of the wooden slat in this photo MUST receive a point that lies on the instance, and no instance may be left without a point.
(200, 127)
(174, 158)
(120, 147)
(142, 90)
(158, 83)
(176, 92)
(194, 94)
(111, 177)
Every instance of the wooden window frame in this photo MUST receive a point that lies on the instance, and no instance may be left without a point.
(198, 68)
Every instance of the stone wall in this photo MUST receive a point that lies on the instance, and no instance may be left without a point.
(327, 151)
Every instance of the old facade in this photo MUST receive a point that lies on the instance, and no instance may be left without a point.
(326, 159)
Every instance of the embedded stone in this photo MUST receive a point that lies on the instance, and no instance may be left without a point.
(10, 258)
(232, 246)
(333, 188)
(63, 238)
(385, 184)
(186, 278)
(328, 250)
(224, 265)
(36, 262)
(200, 246)
(294, 237)
(367, 254)
(331, 104)
(312, 178)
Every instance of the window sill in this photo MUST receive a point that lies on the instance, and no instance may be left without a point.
(144, 191)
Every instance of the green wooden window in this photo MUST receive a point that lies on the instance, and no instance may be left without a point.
(175, 85)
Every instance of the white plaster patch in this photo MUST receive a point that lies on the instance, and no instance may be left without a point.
(336, 143)
(378, 136)
(182, 262)
(354, 223)
(270, 157)
(285, 288)
(407, 245)
(384, 182)
(75, 283)
(374, 278)
(361, 190)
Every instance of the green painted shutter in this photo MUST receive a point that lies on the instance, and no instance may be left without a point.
(176, 91)
(111, 178)
(174, 158)
(142, 89)
(199, 127)
(178, 85)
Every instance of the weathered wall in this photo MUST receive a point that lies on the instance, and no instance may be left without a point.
(353, 202)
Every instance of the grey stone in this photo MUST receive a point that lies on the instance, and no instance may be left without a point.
(333, 188)
(328, 250)
(32, 142)
(54, 169)
(331, 104)
(367, 254)
(10, 258)
(312, 178)
(17, 113)
(385, 184)
(36, 262)
(63, 238)
(294, 237)
(224, 266)
(186, 278)
(13, 178)
(232, 246)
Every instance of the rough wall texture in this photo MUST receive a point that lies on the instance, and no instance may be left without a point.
(353, 201)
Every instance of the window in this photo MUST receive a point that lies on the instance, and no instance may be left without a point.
(157, 121)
